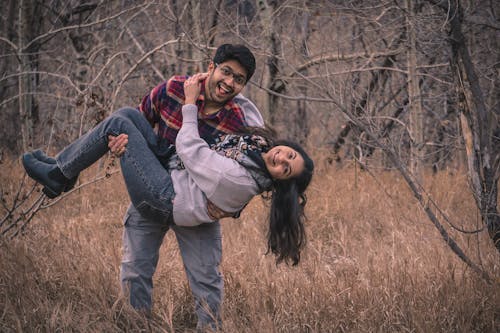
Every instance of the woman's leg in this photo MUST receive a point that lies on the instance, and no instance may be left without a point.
(90, 147)
(148, 182)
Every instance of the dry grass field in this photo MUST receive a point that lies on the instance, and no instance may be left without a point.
(373, 263)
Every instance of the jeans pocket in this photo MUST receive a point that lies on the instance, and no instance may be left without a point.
(149, 211)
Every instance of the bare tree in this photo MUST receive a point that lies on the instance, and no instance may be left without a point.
(28, 27)
(268, 10)
(414, 94)
(480, 127)
(370, 80)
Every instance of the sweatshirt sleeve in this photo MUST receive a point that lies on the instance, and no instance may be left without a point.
(223, 180)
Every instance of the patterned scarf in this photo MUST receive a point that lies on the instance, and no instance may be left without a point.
(246, 149)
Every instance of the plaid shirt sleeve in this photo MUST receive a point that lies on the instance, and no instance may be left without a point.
(151, 103)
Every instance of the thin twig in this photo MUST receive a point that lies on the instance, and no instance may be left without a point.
(133, 68)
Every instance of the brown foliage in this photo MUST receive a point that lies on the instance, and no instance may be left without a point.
(373, 263)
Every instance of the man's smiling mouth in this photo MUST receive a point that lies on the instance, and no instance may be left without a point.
(224, 89)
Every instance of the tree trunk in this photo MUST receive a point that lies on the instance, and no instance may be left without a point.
(177, 66)
(414, 95)
(25, 87)
(477, 130)
(301, 125)
(267, 7)
(10, 128)
(214, 22)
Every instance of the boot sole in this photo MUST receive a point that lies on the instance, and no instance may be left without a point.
(50, 193)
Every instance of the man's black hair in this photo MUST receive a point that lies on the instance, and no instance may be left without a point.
(236, 52)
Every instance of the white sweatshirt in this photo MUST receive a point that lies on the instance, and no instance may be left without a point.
(208, 175)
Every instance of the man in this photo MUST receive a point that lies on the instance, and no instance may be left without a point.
(222, 109)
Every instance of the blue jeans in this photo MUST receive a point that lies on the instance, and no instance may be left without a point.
(148, 183)
(201, 251)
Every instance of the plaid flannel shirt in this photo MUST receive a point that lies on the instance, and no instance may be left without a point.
(163, 109)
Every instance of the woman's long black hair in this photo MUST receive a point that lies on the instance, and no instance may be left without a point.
(286, 236)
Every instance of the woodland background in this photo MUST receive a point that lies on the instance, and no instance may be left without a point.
(398, 102)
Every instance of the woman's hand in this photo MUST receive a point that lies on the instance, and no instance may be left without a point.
(192, 87)
(118, 144)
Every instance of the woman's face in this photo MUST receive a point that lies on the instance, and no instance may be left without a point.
(283, 162)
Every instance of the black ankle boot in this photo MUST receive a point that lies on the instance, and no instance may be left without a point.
(49, 175)
(41, 156)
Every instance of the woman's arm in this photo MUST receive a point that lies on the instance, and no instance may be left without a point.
(225, 182)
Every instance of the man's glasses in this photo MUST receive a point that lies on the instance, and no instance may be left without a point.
(237, 78)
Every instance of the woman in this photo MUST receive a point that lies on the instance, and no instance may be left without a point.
(226, 173)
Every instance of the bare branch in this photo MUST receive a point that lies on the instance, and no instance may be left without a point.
(13, 98)
(480, 20)
(12, 45)
(292, 98)
(343, 57)
(101, 71)
(79, 26)
(134, 67)
(64, 77)
(79, 187)
(139, 47)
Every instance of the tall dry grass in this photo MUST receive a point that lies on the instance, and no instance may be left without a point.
(373, 263)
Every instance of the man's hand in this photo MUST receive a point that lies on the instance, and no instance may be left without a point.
(192, 87)
(118, 144)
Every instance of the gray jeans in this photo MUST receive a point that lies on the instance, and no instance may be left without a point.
(150, 215)
(201, 251)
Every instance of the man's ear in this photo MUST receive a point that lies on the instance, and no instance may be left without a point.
(211, 66)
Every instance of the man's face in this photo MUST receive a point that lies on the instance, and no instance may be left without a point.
(224, 81)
